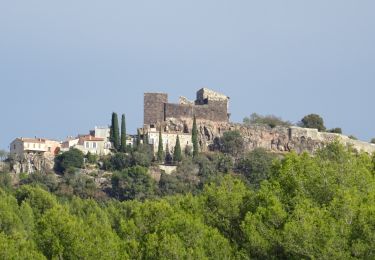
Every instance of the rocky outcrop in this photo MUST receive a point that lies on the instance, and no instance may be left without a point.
(279, 139)
(29, 163)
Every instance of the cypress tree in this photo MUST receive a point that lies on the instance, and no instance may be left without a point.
(160, 148)
(138, 142)
(194, 137)
(123, 134)
(177, 155)
(168, 156)
(115, 135)
(145, 137)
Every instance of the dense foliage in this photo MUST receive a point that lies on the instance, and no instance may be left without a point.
(295, 207)
(70, 160)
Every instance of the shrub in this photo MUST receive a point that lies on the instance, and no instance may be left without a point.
(336, 130)
(269, 120)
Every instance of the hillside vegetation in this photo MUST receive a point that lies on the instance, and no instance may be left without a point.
(300, 206)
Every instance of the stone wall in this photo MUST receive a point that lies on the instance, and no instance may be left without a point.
(215, 111)
(205, 94)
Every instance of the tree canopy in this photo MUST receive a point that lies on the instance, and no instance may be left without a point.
(260, 206)
(313, 121)
(69, 160)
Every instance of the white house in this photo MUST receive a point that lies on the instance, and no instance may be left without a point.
(21, 146)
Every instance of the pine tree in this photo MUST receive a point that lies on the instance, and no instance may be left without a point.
(115, 134)
(123, 134)
(160, 148)
(194, 137)
(177, 155)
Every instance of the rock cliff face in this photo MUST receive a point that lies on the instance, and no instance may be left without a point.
(278, 139)
(30, 163)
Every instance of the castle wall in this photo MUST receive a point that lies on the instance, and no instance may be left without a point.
(215, 111)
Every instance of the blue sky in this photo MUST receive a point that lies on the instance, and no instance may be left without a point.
(66, 65)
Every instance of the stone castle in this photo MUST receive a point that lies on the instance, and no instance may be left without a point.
(209, 105)
(211, 111)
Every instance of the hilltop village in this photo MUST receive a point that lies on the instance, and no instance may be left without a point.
(169, 121)
(190, 184)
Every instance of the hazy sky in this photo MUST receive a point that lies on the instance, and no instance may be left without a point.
(66, 65)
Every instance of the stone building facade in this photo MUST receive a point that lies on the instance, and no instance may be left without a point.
(169, 140)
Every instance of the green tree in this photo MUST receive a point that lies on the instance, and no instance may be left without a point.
(77, 184)
(138, 141)
(270, 120)
(16, 247)
(256, 166)
(313, 121)
(372, 141)
(120, 161)
(160, 154)
(168, 157)
(69, 160)
(123, 146)
(232, 143)
(5, 180)
(133, 183)
(115, 134)
(223, 203)
(91, 158)
(177, 153)
(224, 163)
(145, 138)
(194, 138)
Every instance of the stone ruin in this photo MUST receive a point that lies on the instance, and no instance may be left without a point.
(209, 106)
(211, 111)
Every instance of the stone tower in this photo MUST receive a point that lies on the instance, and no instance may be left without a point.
(154, 104)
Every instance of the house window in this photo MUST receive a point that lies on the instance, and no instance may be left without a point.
(87, 145)
(49, 149)
(94, 145)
